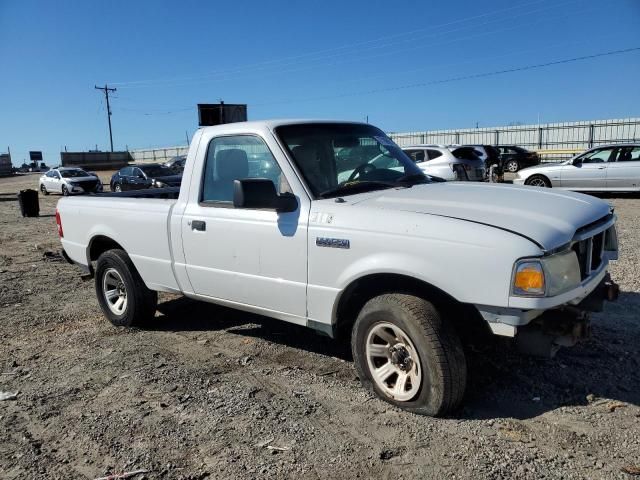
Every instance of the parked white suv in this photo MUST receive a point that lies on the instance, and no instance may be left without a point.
(69, 181)
(455, 163)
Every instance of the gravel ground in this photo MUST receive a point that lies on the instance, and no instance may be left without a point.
(209, 392)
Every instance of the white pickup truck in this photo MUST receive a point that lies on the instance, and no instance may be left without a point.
(402, 265)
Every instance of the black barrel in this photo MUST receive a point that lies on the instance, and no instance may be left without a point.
(29, 204)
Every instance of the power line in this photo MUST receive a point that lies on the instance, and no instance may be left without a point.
(106, 91)
(276, 63)
(460, 78)
(177, 109)
(281, 69)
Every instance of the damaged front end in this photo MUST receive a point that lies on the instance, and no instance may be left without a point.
(564, 326)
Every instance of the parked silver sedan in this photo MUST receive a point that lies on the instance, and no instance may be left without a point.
(610, 168)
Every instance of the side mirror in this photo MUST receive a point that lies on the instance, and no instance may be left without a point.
(261, 193)
(577, 162)
(140, 176)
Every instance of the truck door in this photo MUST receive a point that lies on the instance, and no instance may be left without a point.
(251, 257)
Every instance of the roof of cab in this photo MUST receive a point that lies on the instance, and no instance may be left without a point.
(271, 124)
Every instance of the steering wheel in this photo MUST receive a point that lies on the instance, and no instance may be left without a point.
(361, 170)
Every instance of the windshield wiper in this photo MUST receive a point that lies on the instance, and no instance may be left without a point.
(356, 187)
(413, 178)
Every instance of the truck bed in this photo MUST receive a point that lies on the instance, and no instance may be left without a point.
(170, 192)
(137, 220)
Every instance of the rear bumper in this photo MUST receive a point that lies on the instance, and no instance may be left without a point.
(86, 272)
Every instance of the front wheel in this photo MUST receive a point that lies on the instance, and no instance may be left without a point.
(538, 181)
(123, 297)
(512, 166)
(43, 189)
(408, 355)
(118, 187)
(65, 191)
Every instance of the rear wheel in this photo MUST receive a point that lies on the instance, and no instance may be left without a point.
(43, 189)
(408, 355)
(123, 297)
(538, 181)
(512, 166)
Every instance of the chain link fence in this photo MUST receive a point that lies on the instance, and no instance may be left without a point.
(157, 155)
(553, 141)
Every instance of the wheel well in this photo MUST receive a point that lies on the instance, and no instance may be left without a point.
(364, 289)
(539, 175)
(101, 244)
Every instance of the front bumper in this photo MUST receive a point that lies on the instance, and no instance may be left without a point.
(78, 190)
(588, 297)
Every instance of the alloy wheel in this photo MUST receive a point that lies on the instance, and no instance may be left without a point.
(114, 291)
(393, 361)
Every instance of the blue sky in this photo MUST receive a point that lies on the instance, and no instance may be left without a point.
(305, 59)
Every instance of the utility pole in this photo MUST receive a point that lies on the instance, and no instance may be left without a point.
(106, 91)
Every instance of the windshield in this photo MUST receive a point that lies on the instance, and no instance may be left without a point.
(156, 171)
(73, 173)
(335, 158)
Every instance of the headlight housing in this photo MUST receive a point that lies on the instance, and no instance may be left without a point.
(159, 184)
(546, 276)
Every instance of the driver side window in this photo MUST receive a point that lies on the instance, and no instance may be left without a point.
(599, 156)
(235, 158)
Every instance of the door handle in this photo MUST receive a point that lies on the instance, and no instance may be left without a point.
(198, 225)
(600, 168)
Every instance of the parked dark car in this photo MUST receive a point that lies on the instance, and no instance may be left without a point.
(138, 177)
(514, 158)
(488, 154)
(176, 163)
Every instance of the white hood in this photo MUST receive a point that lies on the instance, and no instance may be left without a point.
(548, 217)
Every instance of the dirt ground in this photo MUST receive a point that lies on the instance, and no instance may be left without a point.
(209, 392)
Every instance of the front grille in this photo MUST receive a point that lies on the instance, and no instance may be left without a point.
(88, 185)
(589, 252)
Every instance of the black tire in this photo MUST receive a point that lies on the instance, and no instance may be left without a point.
(43, 189)
(117, 187)
(512, 166)
(140, 301)
(65, 191)
(441, 356)
(538, 181)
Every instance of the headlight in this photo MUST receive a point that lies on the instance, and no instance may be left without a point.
(159, 184)
(548, 276)
(562, 272)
